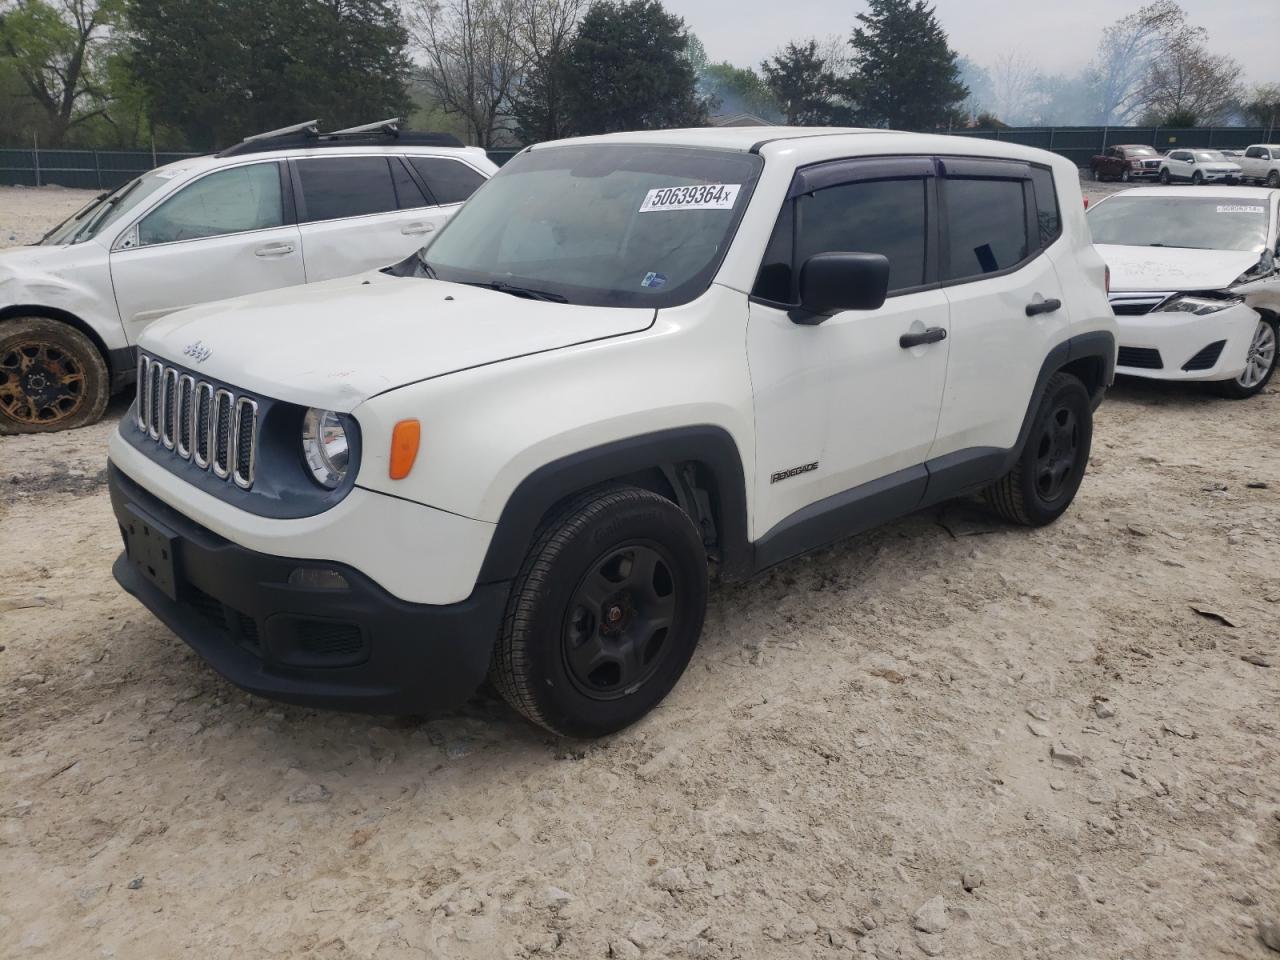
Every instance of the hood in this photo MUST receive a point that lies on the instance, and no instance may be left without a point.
(336, 343)
(30, 260)
(1174, 269)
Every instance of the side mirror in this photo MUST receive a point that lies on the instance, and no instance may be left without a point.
(832, 282)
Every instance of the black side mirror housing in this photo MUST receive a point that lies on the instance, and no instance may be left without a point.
(832, 282)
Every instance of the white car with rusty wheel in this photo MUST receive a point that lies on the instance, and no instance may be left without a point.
(1194, 283)
(283, 208)
(627, 362)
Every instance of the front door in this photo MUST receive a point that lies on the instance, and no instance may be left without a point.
(847, 401)
(223, 235)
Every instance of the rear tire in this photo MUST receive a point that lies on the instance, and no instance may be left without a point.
(1264, 351)
(1273, 179)
(1044, 481)
(52, 377)
(604, 615)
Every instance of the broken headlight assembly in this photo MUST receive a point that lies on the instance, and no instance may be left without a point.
(1200, 306)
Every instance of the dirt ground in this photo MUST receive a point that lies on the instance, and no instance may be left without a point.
(946, 738)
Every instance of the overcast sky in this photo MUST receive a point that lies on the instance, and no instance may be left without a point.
(1061, 37)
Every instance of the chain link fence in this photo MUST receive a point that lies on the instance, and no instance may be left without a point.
(108, 169)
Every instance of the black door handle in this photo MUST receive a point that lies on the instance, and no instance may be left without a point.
(1043, 306)
(931, 335)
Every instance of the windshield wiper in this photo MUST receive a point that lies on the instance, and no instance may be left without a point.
(529, 293)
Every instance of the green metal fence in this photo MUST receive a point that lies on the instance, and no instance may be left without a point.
(107, 169)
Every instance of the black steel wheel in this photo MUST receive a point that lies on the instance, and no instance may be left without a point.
(51, 377)
(1047, 474)
(604, 614)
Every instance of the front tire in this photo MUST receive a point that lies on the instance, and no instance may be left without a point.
(1164, 176)
(604, 615)
(1125, 176)
(1044, 481)
(1197, 178)
(52, 377)
(1260, 365)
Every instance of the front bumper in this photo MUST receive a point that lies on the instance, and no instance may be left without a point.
(1176, 340)
(358, 648)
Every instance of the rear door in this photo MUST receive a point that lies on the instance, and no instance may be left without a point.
(225, 234)
(358, 213)
(1006, 300)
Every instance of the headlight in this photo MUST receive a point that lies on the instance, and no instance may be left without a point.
(324, 446)
(1200, 306)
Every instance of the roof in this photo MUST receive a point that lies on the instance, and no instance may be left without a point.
(739, 120)
(212, 161)
(725, 138)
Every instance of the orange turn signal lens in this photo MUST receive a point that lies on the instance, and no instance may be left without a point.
(404, 447)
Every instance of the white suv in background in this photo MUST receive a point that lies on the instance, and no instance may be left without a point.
(1261, 162)
(283, 208)
(627, 361)
(1198, 166)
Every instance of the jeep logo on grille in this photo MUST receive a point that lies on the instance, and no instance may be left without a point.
(197, 351)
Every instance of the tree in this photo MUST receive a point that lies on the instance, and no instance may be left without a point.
(738, 90)
(1015, 83)
(1190, 84)
(628, 69)
(904, 71)
(803, 85)
(547, 29)
(977, 80)
(1121, 69)
(1262, 105)
(219, 70)
(57, 50)
(474, 60)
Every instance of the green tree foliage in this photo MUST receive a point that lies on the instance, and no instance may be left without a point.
(219, 70)
(57, 50)
(1262, 105)
(733, 89)
(905, 73)
(803, 86)
(628, 69)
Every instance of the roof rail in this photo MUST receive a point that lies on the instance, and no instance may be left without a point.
(306, 136)
(391, 125)
(307, 127)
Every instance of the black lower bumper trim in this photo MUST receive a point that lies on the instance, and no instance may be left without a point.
(357, 648)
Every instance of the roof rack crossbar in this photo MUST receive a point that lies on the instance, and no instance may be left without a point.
(390, 125)
(309, 128)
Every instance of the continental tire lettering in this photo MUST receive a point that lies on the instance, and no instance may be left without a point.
(794, 472)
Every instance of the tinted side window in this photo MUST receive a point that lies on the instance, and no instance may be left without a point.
(336, 187)
(986, 226)
(448, 180)
(1253, 152)
(229, 201)
(877, 216)
(408, 193)
(1047, 213)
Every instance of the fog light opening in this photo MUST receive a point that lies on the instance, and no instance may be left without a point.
(318, 578)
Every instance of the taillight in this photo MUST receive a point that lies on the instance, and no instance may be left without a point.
(1086, 203)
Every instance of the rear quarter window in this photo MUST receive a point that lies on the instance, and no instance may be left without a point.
(450, 181)
(1048, 216)
(334, 188)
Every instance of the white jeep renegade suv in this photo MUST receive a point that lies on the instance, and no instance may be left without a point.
(627, 361)
(286, 207)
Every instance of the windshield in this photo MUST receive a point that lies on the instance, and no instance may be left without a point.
(621, 225)
(106, 209)
(1197, 223)
(1203, 155)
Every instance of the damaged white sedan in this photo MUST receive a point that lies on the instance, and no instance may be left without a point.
(1195, 283)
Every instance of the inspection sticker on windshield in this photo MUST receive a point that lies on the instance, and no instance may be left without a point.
(699, 196)
(1239, 208)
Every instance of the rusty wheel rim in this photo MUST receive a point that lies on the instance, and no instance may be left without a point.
(40, 383)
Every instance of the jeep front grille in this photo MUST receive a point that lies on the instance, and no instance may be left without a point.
(214, 428)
